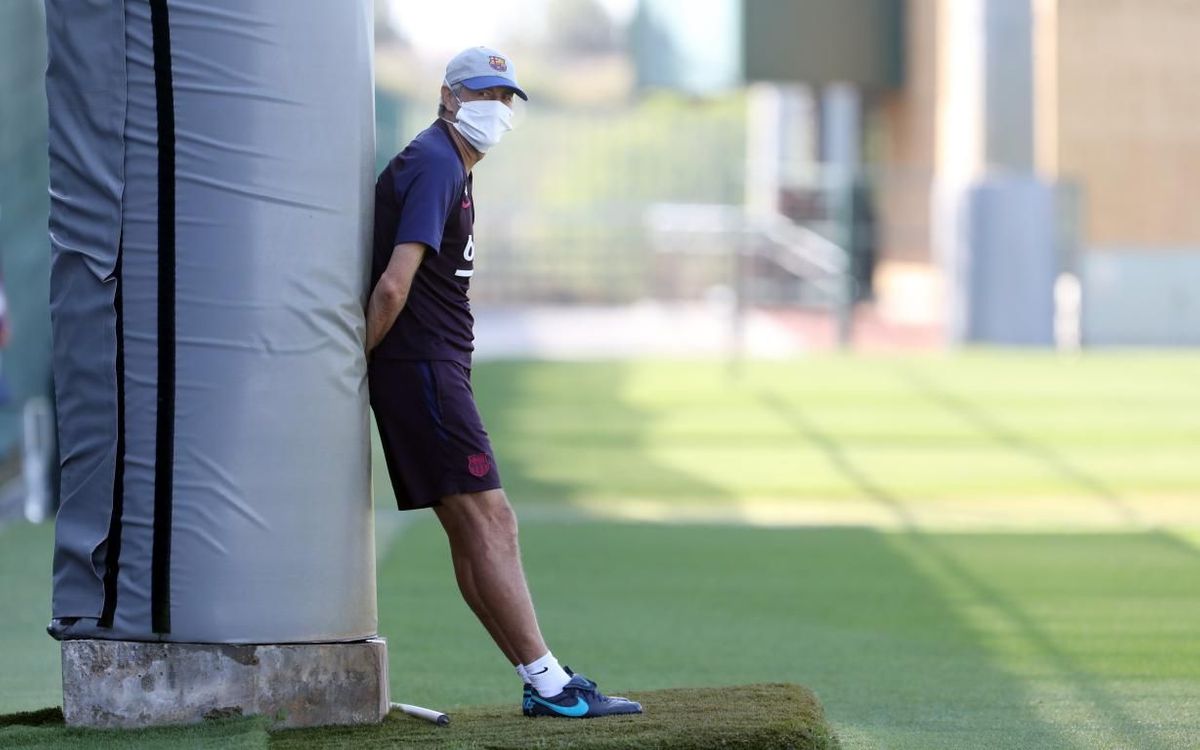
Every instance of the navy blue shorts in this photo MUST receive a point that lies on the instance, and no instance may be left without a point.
(433, 438)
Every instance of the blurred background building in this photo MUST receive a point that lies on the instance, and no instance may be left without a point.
(701, 176)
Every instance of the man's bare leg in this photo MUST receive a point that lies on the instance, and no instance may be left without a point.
(482, 530)
(470, 593)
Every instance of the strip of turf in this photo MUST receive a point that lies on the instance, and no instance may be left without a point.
(755, 716)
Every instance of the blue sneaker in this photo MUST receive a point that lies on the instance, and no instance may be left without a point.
(590, 684)
(580, 699)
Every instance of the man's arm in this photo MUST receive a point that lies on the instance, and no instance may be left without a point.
(391, 292)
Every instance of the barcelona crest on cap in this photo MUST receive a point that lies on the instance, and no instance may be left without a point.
(480, 68)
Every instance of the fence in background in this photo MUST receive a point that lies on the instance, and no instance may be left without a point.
(647, 202)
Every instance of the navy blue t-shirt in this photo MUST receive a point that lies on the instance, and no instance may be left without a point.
(424, 195)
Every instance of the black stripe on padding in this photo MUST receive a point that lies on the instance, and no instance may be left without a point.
(164, 464)
(112, 560)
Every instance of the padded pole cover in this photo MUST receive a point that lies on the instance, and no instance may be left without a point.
(211, 196)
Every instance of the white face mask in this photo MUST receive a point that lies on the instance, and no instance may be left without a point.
(482, 122)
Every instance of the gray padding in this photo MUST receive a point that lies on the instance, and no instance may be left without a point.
(85, 88)
(271, 535)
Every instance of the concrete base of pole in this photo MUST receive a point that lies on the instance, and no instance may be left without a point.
(130, 684)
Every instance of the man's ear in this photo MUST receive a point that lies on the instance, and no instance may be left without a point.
(448, 99)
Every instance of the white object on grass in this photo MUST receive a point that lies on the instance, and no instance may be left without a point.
(428, 714)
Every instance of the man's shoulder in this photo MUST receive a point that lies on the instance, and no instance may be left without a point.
(430, 152)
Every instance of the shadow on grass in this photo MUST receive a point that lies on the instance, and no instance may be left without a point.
(844, 611)
(835, 454)
(1176, 543)
(580, 434)
(46, 717)
(928, 551)
(992, 427)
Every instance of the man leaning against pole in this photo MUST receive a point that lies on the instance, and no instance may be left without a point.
(419, 342)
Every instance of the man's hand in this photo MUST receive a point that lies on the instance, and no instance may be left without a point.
(391, 292)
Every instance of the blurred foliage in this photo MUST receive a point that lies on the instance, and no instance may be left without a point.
(580, 27)
(664, 148)
(386, 32)
(573, 191)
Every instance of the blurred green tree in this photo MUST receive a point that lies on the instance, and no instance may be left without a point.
(581, 27)
(387, 34)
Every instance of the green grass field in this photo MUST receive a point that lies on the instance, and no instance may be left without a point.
(978, 551)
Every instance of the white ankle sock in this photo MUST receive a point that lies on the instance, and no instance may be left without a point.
(522, 673)
(547, 676)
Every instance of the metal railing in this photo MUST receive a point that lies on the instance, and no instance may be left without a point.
(761, 247)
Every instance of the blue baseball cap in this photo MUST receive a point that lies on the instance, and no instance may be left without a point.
(481, 68)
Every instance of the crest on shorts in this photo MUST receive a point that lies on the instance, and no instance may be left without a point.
(498, 63)
(479, 464)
